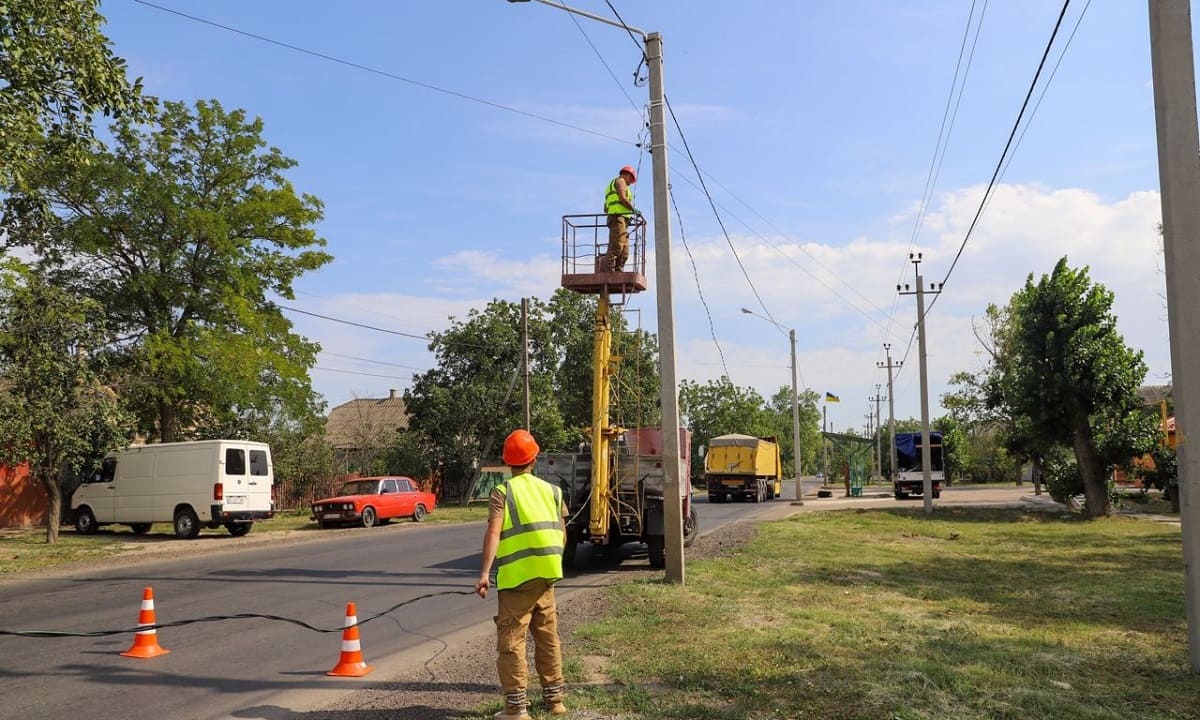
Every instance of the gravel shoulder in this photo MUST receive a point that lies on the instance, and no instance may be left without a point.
(462, 676)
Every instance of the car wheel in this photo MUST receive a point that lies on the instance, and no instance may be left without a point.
(85, 521)
(187, 525)
(140, 528)
(238, 529)
(419, 513)
(322, 524)
(368, 517)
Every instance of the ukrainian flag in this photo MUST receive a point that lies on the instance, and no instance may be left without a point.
(830, 397)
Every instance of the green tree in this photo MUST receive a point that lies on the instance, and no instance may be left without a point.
(56, 413)
(56, 71)
(780, 406)
(1065, 368)
(182, 232)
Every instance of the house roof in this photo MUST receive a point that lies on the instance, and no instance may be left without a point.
(1153, 394)
(364, 422)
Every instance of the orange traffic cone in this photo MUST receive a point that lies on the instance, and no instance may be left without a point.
(351, 663)
(145, 642)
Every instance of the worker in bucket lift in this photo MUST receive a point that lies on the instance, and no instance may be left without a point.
(618, 205)
(524, 538)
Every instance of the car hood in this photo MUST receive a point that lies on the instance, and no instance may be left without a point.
(339, 499)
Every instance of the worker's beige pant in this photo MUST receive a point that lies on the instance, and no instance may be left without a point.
(618, 243)
(529, 608)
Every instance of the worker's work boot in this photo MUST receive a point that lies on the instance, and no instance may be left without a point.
(556, 708)
(514, 707)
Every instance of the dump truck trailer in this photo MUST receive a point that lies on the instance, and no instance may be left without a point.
(743, 467)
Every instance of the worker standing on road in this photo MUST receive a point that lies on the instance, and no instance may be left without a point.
(524, 537)
(618, 205)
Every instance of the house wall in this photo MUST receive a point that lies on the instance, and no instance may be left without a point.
(22, 501)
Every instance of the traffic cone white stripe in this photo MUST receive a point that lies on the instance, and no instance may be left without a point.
(351, 645)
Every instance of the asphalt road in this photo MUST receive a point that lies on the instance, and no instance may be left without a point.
(221, 669)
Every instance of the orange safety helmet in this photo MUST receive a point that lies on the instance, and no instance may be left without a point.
(632, 173)
(520, 448)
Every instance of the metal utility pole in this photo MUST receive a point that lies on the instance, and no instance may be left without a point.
(926, 461)
(1173, 71)
(878, 434)
(525, 356)
(668, 386)
(887, 348)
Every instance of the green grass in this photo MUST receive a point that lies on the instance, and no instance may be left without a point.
(886, 615)
(24, 550)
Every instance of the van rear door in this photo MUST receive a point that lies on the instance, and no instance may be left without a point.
(260, 480)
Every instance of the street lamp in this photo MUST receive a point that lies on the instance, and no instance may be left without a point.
(668, 378)
(795, 406)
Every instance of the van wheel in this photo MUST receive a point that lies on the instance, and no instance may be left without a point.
(238, 529)
(187, 525)
(140, 528)
(419, 513)
(85, 521)
(656, 548)
(368, 517)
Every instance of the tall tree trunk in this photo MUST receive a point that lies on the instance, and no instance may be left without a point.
(1091, 469)
(50, 481)
(167, 421)
(1035, 474)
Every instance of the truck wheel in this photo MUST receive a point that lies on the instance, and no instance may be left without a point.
(690, 527)
(656, 548)
(238, 529)
(187, 525)
(900, 495)
(368, 517)
(937, 494)
(419, 513)
(85, 521)
(140, 528)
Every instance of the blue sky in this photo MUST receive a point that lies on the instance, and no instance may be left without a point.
(815, 123)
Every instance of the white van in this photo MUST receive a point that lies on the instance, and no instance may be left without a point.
(190, 484)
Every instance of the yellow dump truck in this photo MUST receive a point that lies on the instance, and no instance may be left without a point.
(743, 467)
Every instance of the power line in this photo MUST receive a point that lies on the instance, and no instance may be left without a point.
(696, 274)
(356, 324)
(383, 73)
(1012, 134)
(369, 360)
(602, 60)
(716, 214)
(356, 372)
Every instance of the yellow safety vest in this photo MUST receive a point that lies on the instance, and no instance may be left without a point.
(612, 201)
(531, 539)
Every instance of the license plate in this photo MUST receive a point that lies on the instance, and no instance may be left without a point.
(331, 516)
(235, 500)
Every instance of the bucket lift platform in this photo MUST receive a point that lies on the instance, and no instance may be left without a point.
(585, 240)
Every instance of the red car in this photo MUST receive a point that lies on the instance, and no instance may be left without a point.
(373, 500)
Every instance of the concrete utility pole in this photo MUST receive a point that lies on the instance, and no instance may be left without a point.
(525, 355)
(887, 348)
(668, 386)
(926, 460)
(796, 455)
(878, 434)
(1174, 71)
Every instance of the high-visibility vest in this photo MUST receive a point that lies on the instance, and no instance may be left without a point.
(531, 539)
(612, 201)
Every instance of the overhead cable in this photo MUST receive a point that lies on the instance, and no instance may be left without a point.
(384, 73)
